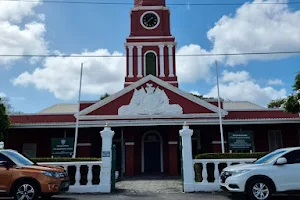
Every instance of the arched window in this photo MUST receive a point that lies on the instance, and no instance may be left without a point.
(150, 61)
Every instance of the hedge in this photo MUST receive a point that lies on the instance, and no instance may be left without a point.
(211, 167)
(72, 169)
(64, 159)
(256, 155)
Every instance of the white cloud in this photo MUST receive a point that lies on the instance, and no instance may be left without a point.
(2, 94)
(16, 39)
(245, 88)
(235, 76)
(257, 28)
(192, 68)
(250, 29)
(275, 82)
(61, 75)
(14, 11)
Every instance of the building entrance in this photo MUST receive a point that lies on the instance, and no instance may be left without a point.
(152, 153)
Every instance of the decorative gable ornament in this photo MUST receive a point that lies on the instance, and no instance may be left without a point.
(150, 101)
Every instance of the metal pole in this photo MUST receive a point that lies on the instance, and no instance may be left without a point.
(219, 105)
(77, 118)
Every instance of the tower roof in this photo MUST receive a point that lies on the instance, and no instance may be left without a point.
(149, 3)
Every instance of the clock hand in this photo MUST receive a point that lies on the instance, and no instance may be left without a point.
(149, 20)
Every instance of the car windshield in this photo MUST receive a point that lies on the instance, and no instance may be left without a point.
(17, 158)
(269, 157)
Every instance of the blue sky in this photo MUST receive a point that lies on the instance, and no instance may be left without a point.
(102, 29)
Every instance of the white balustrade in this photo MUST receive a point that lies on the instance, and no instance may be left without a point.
(205, 185)
(77, 187)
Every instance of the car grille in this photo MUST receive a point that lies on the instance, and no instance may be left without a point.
(224, 176)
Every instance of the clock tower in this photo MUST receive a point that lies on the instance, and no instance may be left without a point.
(150, 47)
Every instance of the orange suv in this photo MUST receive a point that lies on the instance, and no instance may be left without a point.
(25, 180)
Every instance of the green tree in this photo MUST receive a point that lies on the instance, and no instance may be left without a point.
(104, 96)
(4, 120)
(279, 103)
(292, 104)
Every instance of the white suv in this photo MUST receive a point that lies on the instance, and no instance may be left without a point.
(277, 172)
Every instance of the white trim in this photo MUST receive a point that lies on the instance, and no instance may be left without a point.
(156, 62)
(150, 28)
(153, 122)
(161, 150)
(139, 61)
(150, 37)
(130, 61)
(172, 142)
(159, 82)
(2, 191)
(149, 43)
(84, 144)
(171, 64)
(183, 116)
(218, 142)
(129, 143)
(150, 8)
(162, 60)
(134, 82)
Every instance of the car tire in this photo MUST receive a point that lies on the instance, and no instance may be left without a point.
(259, 189)
(28, 189)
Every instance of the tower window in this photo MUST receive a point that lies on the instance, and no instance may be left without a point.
(150, 62)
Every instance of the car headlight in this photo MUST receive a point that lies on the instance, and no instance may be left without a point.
(52, 174)
(239, 172)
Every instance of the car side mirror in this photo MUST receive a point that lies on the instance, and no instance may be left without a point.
(281, 161)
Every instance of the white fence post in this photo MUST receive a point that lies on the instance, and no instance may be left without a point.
(188, 167)
(105, 174)
(1, 145)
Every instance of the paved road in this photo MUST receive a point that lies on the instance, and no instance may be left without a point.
(193, 196)
(154, 196)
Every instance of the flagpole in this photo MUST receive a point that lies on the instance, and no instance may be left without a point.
(77, 118)
(219, 105)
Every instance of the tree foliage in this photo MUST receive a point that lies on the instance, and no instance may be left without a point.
(279, 103)
(202, 97)
(290, 104)
(4, 120)
(104, 96)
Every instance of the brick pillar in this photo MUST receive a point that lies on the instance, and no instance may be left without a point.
(129, 159)
(173, 158)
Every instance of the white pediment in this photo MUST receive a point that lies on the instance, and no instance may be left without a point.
(150, 101)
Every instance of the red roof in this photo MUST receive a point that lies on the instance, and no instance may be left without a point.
(260, 114)
(31, 119)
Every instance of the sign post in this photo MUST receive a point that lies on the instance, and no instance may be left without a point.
(62, 147)
(240, 141)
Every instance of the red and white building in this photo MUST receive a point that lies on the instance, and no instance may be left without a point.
(151, 109)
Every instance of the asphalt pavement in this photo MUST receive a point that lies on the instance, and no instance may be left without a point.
(180, 196)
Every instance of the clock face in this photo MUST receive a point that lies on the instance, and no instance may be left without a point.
(150, 20)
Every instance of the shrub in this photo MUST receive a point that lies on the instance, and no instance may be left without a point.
(256, 155)
(211, 167)
(65, 159)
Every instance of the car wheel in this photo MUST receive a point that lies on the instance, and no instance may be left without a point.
(259, 189)
(26, 191)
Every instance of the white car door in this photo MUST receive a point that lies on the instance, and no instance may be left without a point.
(287, 176)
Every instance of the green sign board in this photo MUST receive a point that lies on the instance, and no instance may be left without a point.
(240, 140)
(62, 147)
